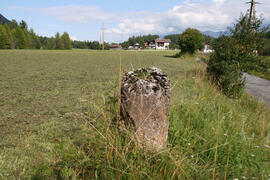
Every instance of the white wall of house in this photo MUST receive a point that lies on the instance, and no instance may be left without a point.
(164, 47)
(207, 49)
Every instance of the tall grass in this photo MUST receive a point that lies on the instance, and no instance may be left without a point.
(210, 135)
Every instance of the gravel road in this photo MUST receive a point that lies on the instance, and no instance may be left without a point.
(258, 88)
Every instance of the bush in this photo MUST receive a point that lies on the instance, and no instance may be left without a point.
(224, 68)
(235, 54)
(190, 41)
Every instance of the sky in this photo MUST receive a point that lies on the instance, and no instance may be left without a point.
(83, 19)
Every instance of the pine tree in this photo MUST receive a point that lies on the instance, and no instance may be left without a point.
(58, 41)
(66, 41)
(4, 40)
(23, 25)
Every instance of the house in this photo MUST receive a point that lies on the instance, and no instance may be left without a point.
(137, 46)
(162, 44)
(207, 48)
(150, 44)
(115, 47)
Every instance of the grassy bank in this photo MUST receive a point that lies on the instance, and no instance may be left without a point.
(57, 110)
(265, 74)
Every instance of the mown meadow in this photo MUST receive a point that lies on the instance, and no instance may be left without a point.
(58, 112)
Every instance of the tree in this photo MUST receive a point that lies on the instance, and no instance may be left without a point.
(190, 41)
(174, 38)
(234, 54)
(58, 41)
(125, 45)
(13, 24)
(23, 25)
(4, 39)
(50, 43)
(209, 40)
(66, 41)
(21, 41)
(34, 40)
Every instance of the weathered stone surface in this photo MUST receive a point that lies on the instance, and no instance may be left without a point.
(145, 105)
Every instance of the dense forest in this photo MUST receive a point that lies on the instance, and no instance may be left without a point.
(14, 35)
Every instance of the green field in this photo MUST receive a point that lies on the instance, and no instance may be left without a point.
(57, 110)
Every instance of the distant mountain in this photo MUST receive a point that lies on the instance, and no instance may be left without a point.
(3, 20)
(211, 33)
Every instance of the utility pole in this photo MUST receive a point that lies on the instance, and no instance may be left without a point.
(252, 10)
(100, 41)
(254, 15)
(103, 36)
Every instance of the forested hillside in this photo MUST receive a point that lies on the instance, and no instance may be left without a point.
(14, 35)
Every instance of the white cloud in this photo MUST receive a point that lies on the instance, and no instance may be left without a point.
(79, 14)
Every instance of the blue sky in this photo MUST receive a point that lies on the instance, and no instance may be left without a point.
(83, 19)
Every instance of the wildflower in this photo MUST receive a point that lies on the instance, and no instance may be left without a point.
(266, 146)
(225, 134)
(196, 103)
(252, 155)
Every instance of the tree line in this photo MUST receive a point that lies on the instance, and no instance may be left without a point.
(138, 39)
(89, 45)
(14, 35)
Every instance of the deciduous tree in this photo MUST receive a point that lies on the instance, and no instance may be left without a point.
(190, 41)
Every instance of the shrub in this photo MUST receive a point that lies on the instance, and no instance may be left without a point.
(224, 67)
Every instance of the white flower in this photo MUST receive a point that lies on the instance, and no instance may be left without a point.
(252, 155)
(266, 146)
(196, 103)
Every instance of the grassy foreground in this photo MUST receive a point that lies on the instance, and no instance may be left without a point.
(57, 110)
